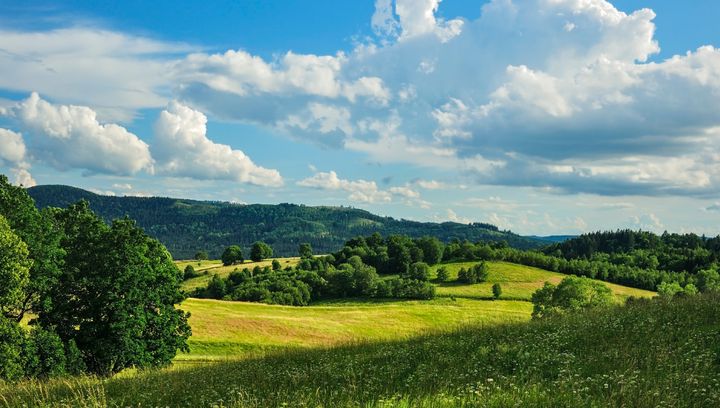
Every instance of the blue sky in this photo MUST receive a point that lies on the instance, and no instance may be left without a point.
(540, 116)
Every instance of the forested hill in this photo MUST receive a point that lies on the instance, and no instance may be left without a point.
(187, 226)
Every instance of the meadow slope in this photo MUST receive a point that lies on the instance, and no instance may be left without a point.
(226, 330)
(647, 354)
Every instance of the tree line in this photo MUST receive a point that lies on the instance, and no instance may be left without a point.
(317, 278)
(78, 295)
(185, 226)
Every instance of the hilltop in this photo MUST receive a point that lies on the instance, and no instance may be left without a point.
(186, 226)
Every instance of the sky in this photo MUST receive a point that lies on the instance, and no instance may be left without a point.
(542, 117)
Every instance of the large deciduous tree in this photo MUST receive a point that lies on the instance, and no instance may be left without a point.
(117, 294)
(39, 232)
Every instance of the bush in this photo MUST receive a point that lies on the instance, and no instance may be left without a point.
(276, 265)
(419, 271)
(190, 273)
(497, 290)
(573, 293)
(442, 274)
(476, 273)
(44, 354)
(11, 350)
(201, 256)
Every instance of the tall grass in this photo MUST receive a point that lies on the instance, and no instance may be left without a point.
(650, 354)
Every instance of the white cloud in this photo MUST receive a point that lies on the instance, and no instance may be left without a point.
(12, 147)
(22, 177)
(114, 72)
(360, 190)
(122, 186)
(13, 154)
(182, 148)
(648, 222)
(417, 18)
(404, 191)
(452, 216)
(586, 111)
(68, 137)
(431, 184)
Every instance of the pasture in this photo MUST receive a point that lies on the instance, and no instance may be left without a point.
(648, 354)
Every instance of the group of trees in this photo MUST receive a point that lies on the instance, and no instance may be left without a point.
(233, 254)
(316, 278)
(101, 297)
(631, 258)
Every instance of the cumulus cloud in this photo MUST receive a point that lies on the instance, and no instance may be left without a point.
(13, 154)
(182, 148)
(69, 137)
(12, 148)
(363, 191)
(588, 111)
(454, 217)
(360, 190)
(114, 72)
(648, 222)
(404, 191)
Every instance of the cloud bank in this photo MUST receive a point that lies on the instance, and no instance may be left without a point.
(561, 94)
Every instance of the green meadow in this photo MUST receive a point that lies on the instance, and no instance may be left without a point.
(518, 282)
(461, 349)
(647, 354)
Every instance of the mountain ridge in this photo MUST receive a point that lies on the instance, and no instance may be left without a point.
(186, 226)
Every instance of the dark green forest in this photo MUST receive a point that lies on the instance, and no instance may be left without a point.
(188, 226)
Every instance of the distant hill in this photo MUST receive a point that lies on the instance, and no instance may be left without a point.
(187, 226)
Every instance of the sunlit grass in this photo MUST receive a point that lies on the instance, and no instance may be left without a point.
(517, 281)
(654, 354)
(226, 329)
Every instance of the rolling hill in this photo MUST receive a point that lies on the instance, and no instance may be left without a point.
(187, 226)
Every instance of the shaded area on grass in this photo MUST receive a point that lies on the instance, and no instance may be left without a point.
(648, 354)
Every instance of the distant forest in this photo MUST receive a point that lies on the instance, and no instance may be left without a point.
(188, 226)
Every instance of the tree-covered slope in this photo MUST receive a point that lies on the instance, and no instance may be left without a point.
(187, 226)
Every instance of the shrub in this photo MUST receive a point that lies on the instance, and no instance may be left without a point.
(573, 293)
(190, 273)
(419, 271)
(476, 273)
(497, 290)
(442, 274)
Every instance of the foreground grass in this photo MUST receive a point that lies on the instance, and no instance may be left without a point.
(224, 329)
(518, 282)
(655, 354)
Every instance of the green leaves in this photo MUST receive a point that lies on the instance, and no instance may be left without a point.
(572, 294)
(14, 270)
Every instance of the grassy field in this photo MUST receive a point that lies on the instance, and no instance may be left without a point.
(233, 329)
(214, 267)
(518, 282)
(650, 354)
(459, 349)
